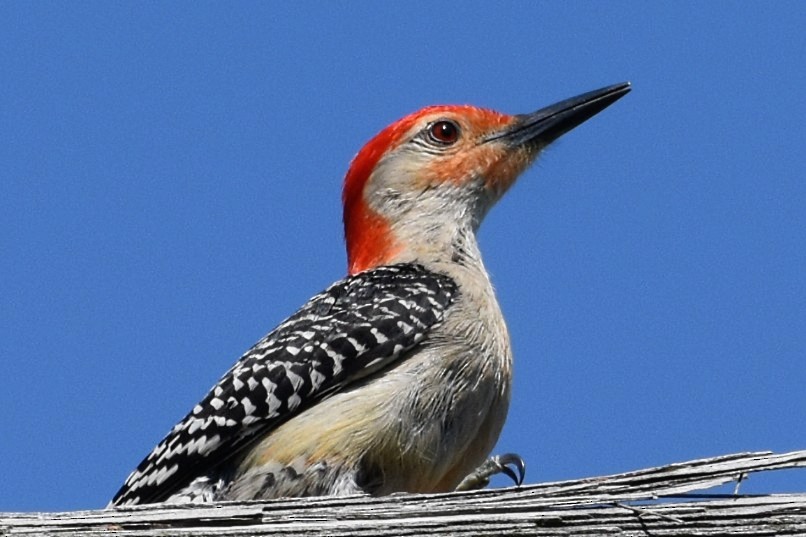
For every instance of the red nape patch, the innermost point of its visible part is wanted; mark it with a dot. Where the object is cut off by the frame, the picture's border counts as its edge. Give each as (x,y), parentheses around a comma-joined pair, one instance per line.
(368,234)
(369,240)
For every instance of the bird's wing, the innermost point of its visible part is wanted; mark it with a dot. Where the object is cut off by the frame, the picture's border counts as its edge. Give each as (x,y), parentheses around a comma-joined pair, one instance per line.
(356,327)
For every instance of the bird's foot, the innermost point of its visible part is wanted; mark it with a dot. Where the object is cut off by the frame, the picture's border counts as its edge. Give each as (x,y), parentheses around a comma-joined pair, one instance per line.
(498,464)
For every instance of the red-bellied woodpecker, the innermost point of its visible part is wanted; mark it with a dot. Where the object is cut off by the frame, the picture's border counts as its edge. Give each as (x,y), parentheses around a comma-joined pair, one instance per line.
(396,378)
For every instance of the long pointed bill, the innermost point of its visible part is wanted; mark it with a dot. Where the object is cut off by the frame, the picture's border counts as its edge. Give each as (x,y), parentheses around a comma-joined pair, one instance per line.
(547,124)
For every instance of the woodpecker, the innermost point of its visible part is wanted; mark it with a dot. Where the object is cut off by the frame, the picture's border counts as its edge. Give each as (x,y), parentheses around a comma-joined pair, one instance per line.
(396,378)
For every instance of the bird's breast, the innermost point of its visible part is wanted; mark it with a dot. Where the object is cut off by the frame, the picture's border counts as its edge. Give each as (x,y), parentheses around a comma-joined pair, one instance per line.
(420,425)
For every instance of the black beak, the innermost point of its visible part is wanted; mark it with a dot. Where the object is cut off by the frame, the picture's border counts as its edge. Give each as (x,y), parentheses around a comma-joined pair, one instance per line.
(547,124)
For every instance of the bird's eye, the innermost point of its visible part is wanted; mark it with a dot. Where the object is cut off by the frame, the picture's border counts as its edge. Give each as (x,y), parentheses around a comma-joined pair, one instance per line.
(444,132)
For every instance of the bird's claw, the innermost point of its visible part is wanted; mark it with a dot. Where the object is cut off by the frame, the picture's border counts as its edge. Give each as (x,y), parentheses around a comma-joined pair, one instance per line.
(497,464)
(503,462)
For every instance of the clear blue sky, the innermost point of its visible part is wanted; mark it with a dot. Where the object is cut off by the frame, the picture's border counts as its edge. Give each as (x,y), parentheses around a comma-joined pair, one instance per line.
(170,177)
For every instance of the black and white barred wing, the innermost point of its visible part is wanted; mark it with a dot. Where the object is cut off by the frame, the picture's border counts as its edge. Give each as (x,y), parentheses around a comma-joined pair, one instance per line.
(356,327)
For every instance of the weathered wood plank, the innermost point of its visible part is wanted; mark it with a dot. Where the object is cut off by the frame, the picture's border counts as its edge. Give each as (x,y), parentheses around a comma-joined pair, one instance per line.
(645,502)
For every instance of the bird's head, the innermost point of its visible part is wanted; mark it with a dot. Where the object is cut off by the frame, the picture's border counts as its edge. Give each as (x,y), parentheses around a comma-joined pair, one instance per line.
(431,176)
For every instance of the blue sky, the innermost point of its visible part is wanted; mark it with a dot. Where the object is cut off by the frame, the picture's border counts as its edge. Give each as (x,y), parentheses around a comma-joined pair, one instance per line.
(170,179)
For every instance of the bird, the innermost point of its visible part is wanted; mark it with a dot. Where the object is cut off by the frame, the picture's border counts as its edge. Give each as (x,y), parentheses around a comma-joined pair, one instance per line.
(398,377)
